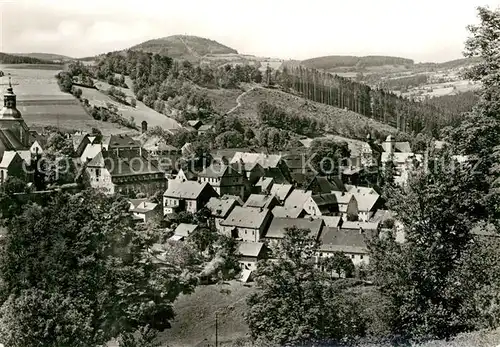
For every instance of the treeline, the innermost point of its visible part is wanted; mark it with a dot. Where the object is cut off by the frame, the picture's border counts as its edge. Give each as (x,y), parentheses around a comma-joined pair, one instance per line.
(275,116)
(333,61)
(164,84)
(17,59)
(386,107)
(404,83)
(454,104)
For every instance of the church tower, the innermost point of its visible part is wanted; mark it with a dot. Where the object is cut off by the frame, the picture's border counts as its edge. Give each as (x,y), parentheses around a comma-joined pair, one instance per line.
(12,124)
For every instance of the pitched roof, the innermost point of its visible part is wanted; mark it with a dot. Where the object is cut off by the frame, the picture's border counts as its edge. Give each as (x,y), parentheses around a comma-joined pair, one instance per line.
(205,127)
(7,158)
(185,229)
(136,202)
(332,221)
(124,166)
(246,217)
(260,200)
(185,190)
(10,141)
(349,241)
(41,139)
(277,174)
(90,152)
(265,160)
(219,169)
(322,185)
(145,207)
(287,212)
(297,198)
(325,199)
(298,177)
(343,198)
(221,207)
(77,139)
(278,225)
(403,147)
(120,141)
(360,225)
(366,202)
(281,191)
(233,197)
(265,183)
(250,249)
(360,189)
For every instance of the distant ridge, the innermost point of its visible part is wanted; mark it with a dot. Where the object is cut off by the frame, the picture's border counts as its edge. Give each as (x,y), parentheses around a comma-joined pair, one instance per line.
(43,56)
(337,61)
(6,58)
(184,47)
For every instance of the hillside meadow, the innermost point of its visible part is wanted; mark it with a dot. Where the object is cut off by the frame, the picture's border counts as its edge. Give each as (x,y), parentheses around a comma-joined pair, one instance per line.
(42,103)
(140,112)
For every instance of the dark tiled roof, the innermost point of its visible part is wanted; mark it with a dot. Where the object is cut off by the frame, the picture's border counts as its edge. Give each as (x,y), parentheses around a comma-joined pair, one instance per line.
(279,225)
(325,199)
(341,240)
(322,185)
(121,141)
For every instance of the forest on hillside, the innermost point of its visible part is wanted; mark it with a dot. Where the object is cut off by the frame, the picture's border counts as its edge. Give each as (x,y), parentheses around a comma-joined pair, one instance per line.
(17,59)
(382,105)
(163,84)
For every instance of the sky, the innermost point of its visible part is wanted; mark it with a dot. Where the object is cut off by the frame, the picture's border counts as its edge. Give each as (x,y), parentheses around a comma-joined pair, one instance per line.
(422,30)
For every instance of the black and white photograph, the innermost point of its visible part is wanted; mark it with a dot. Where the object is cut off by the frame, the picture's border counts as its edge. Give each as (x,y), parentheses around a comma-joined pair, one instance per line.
(216,173)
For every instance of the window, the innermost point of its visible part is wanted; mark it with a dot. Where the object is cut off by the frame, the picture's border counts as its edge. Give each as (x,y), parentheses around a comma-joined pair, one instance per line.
(360,257)
(352,256)
(97,172)
(245,232)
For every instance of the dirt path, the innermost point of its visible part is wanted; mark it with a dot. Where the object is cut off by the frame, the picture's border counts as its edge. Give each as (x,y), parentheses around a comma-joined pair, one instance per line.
(238,100)
(192,51)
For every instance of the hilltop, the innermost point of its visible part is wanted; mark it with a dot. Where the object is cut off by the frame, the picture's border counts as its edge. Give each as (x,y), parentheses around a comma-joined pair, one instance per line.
(184,47)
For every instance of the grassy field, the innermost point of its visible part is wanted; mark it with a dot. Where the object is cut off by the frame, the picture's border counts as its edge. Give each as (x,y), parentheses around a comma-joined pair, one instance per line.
(340,122)
(194,324)
(140,113)
(42,103)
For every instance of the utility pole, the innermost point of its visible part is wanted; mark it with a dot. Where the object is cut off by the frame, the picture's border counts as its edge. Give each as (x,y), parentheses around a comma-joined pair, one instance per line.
(216,331)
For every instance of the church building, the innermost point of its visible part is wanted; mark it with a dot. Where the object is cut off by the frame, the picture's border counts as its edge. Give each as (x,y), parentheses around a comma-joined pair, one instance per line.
(15,155)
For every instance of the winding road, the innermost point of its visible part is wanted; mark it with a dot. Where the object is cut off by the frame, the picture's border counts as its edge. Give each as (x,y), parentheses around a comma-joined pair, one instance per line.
(238,100)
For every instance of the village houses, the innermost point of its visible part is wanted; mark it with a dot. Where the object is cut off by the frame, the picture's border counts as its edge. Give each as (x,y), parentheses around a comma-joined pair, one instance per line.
(189,196)
(247,223)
